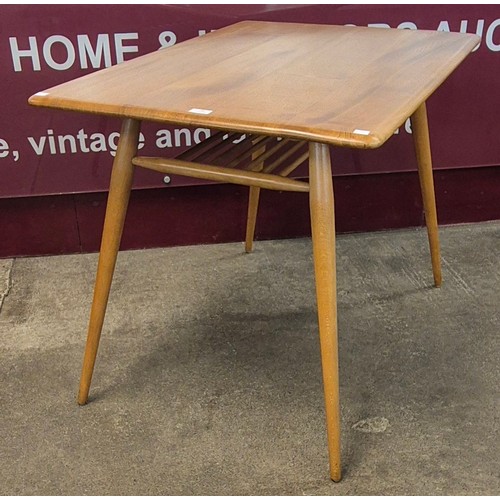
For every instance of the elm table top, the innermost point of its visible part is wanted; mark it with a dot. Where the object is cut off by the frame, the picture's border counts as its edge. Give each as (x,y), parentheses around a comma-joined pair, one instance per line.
(347,86)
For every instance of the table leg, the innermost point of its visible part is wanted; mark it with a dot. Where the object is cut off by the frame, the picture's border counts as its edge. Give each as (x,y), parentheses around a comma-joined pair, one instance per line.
(421,140)
(253,205)
(323,240)
(119,192)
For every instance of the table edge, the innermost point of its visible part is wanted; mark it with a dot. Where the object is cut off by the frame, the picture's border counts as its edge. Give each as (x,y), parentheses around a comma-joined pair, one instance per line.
(361,140)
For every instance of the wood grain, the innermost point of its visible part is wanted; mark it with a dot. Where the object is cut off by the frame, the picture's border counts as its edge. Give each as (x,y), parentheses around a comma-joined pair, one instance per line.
(253,207)
(222,174)
(323,239)
(116,209)
(253,199)
(421,140)
(349,86)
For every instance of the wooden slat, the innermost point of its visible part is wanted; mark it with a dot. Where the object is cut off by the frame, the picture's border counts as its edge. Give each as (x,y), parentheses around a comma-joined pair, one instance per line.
(276,163)
(248,153)
(208,145)
(251,148)
(223,151)
(213,173)
(225,154)
(202,146)
(221,148)
(257,163)
(290,168)
(228,140)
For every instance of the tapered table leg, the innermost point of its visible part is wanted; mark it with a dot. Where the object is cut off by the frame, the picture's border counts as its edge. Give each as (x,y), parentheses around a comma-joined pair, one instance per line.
(119,192)
(323,239)
(423,151)
(253,205)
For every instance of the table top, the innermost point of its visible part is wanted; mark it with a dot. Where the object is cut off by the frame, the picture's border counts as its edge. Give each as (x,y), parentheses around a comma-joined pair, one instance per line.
(342,85)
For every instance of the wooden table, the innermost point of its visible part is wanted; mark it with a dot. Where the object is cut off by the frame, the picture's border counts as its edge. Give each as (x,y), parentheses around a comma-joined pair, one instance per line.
(309,85)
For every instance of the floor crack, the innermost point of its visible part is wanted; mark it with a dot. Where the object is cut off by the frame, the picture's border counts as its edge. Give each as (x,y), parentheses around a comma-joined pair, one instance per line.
(7,284)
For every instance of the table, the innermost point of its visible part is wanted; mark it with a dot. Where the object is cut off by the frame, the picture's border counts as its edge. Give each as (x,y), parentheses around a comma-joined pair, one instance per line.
(292,90)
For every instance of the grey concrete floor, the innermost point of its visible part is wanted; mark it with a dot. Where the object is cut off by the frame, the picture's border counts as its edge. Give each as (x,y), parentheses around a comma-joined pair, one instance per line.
(208,379)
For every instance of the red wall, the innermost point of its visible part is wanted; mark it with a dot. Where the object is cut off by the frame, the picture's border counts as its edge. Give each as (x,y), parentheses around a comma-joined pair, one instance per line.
(51,161)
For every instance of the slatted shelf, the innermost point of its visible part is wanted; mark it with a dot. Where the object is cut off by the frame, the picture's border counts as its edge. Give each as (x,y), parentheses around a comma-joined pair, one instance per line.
(251,160)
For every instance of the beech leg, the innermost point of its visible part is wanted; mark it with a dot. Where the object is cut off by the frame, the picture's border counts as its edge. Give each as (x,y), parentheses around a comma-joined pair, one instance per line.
(421,140)
(323,240)
(119,193)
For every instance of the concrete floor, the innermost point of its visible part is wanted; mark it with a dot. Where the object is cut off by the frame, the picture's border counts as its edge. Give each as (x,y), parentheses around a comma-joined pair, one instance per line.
(208,378)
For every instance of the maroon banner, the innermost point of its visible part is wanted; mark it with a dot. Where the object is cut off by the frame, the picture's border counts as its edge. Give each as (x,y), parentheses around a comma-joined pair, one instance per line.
(51,152)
